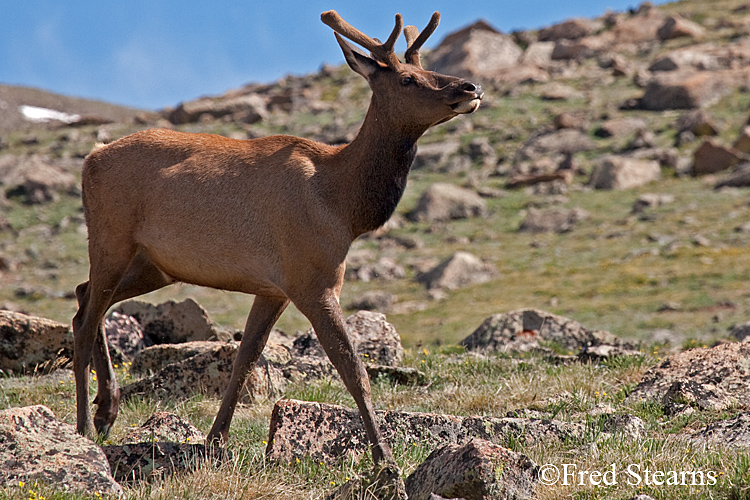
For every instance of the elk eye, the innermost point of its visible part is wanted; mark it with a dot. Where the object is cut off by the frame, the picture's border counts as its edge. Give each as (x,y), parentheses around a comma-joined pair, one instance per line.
(407,80)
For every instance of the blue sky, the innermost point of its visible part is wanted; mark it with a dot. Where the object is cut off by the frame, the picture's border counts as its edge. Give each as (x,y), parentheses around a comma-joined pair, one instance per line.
(156,53)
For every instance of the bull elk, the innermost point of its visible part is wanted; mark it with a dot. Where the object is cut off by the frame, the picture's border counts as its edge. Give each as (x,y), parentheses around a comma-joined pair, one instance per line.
(273,217)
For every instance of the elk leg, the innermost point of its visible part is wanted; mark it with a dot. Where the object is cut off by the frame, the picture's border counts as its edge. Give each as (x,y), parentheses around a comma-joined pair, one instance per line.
(327,320)
(264,313)
(94,298)
(140,277)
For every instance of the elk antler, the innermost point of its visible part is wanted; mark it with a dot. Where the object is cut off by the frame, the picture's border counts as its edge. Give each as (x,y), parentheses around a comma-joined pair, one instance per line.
(383,52)
(415,39)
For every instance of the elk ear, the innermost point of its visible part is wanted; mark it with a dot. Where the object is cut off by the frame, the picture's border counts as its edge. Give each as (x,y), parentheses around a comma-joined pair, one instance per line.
(358,60)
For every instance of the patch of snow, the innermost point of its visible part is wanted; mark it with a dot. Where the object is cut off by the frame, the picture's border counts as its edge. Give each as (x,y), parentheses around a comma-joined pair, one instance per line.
(37,114)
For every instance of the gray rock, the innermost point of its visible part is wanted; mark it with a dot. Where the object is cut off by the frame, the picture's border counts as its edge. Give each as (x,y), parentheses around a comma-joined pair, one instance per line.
(475,471)
(28,343)
(34,445)
(620,172)
(651,200)
(170,322)
(478,50)
(372,300)
(457,271)
(715,379)
(741,331)
(374,339)
(208,373)
(328,433)
(552,220)
(733,432)
(124,336)
(164,426)
(442,202)
(35,179)
(156,460)
(523,329)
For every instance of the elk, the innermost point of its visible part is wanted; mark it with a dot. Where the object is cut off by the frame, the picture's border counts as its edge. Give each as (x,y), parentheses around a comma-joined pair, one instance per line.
(273,217)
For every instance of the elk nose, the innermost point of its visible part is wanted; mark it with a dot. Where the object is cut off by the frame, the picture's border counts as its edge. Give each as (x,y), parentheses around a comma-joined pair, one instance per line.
(471,87)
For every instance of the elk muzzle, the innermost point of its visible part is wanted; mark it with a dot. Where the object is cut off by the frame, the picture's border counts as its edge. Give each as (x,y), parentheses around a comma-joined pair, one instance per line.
(471,101)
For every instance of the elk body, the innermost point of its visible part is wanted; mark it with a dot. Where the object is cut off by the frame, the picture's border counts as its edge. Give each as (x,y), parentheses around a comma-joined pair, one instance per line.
(273,217)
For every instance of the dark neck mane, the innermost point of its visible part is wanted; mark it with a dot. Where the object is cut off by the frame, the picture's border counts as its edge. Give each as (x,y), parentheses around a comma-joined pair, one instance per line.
(379,180)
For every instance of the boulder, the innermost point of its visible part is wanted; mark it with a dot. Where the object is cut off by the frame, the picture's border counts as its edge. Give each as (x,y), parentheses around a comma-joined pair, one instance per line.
(620,127)
(155,358)
(699,123)
(170,322)
(250,108)
(642,26)
(740,332)
(651,200)
(164,426)
(688,89)
(436,155)
(442,202)
(571,29)
(35,179)
(35,446)
(706,378)
(159,459)
(208,373)
(622,172)
(372,300)
(711,157)
(687,58)
(677,26)
(374,339)
(476,51)
(523,329)
(742,144)
(459,270)
(476,470)
(733,432)
(385,269)
(552,220)
(328,433)
(124,336)
(739,177)
(28,342)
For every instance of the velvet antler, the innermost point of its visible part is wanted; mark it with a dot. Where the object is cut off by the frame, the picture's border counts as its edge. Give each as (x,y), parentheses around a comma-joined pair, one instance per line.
(415,39)
(383,52)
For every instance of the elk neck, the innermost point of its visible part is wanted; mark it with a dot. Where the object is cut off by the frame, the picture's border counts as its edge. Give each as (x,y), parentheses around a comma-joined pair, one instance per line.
(375,167)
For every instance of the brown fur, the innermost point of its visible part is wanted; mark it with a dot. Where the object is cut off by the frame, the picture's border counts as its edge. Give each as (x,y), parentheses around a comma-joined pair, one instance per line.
(273,217)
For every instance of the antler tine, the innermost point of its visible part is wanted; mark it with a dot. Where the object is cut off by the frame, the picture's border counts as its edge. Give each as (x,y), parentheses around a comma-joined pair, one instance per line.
(382,51)
(415,40)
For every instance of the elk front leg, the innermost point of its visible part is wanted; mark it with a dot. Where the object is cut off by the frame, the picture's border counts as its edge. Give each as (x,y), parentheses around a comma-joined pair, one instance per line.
(328,322)
(264,313)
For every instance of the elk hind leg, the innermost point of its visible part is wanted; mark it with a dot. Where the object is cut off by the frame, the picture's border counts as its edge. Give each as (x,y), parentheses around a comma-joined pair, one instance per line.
(140,277)
(264,313)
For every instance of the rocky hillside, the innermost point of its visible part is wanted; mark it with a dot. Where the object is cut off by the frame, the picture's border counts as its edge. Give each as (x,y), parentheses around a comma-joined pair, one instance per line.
(602,177)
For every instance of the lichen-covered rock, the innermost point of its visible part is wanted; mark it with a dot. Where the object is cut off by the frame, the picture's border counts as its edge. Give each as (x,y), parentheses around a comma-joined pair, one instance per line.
(732,432)
(208,373)
(374,338)
(164,426)
(459,270)
(477,470)
(521,331)
(124,336)
(27,342)
(708,379)
(155,358)
(155,460)
(328,433)
(34,445)
(170,322)
(380,484)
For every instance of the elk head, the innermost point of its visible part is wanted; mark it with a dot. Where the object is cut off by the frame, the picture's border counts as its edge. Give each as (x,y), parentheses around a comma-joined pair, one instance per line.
(412,97)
